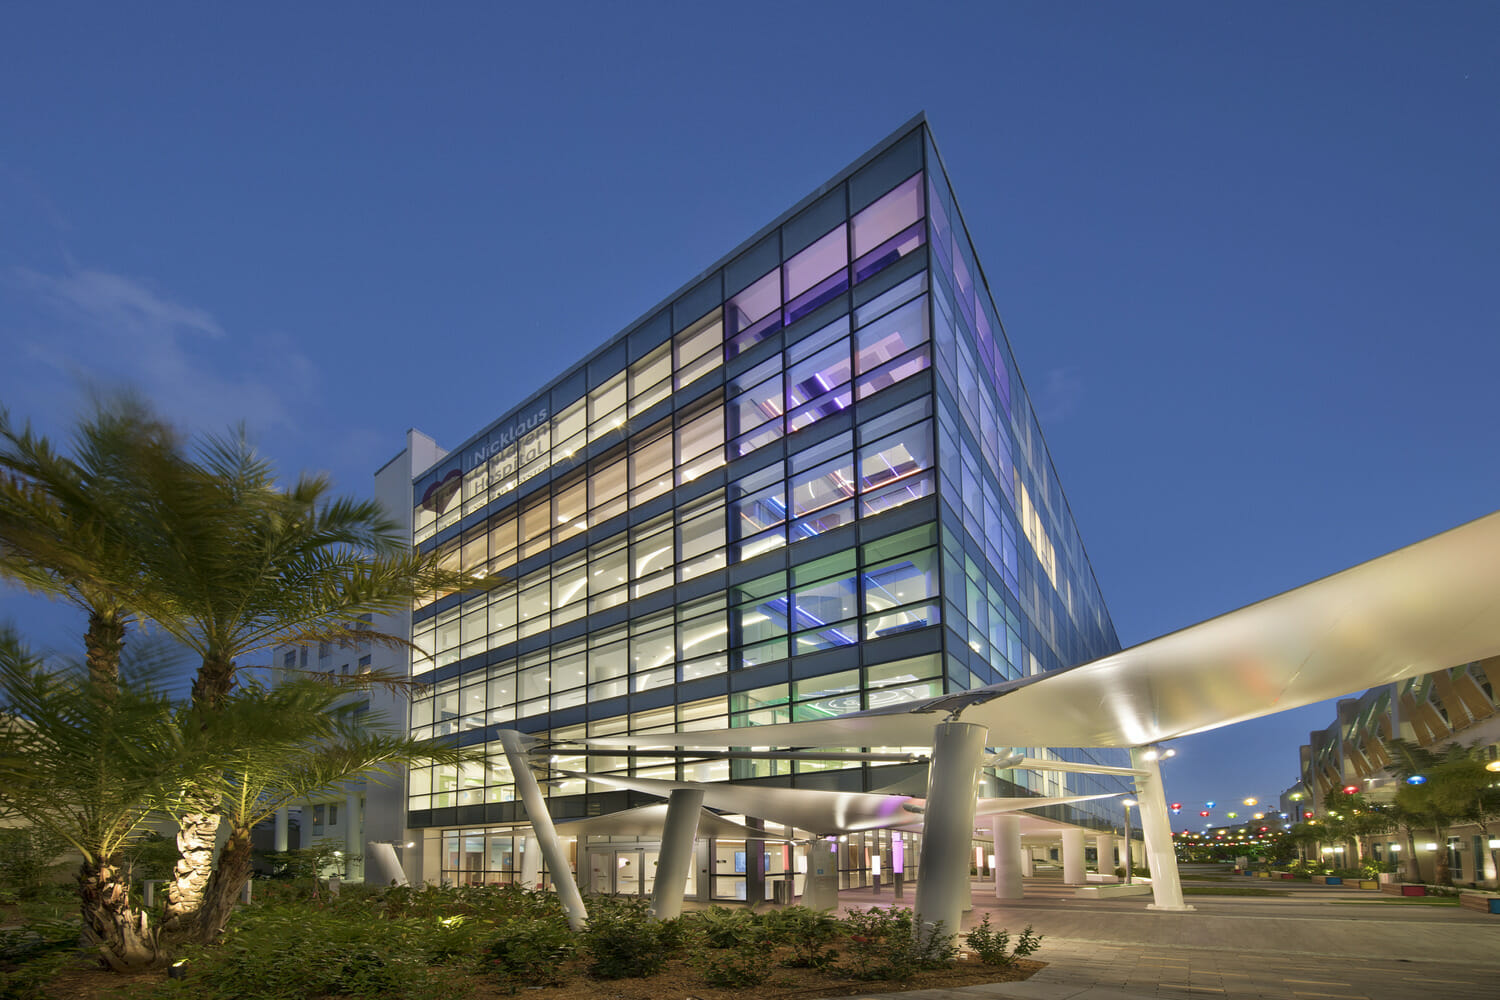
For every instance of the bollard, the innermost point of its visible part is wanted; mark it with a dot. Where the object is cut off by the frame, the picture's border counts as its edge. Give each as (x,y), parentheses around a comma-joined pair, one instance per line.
(900,885)
(875,883)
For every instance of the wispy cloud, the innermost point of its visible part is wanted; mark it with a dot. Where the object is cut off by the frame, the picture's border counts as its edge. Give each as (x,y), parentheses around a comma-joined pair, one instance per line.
(97,329)
(1059,396)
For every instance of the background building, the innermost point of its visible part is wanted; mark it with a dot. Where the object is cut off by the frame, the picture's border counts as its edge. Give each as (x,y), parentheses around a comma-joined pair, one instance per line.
(1450,706)
(810,482)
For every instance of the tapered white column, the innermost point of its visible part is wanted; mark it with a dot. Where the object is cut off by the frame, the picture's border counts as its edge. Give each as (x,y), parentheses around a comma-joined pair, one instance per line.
(1104,846)
(354,838)
(283,827)
(684,806)
(1074,872)
(531,863)
(1028,862)
(943,885)
(1156,831)
(546,833)
(1006,831)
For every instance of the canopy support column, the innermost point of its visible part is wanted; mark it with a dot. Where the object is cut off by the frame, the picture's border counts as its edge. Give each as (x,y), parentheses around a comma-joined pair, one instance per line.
(1156,831)
(678,834)
(947,844)
(546,833)
(1006,830)
(1074,870)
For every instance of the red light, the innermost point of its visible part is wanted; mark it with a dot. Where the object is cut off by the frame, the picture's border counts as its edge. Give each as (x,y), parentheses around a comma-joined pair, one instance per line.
(1350,789)
(1203,812)
(1176,805)
(1264,829)
(1307,815)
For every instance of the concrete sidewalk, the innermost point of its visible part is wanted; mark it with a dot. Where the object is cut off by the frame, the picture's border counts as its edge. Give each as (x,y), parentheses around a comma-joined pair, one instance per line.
(1316,943)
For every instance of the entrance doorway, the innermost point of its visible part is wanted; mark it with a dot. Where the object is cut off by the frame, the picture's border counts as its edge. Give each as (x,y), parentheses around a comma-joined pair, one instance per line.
(626,871)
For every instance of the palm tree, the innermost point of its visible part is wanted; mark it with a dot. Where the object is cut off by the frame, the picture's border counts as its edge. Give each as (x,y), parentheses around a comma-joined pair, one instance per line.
(91,761)
(1463,788)
(1420,803)
(70,528)
(312,747)
(245,566)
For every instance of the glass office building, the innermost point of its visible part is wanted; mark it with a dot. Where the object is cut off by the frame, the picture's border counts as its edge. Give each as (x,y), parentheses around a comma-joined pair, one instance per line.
(810,482)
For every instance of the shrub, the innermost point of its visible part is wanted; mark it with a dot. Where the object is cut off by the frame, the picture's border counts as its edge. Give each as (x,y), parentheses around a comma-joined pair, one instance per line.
(722,927)
(294,951)
(737,967)
(30,860)
(31,956)
(809,933)
(991,946)
(530,952)
(885,944)
(623,940)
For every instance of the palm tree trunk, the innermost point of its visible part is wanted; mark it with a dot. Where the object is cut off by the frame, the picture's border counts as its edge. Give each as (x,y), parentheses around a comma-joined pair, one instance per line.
(102,643)
(197,829)
(196,833)
(229,878)
(1442,875)
(122,933)
(1414,866)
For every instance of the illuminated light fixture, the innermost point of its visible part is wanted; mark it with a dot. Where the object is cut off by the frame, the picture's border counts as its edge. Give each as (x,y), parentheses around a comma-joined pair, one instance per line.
(1350,789)
(1417,779)
(1429,846)
(1494,844)
(1176,805)
(1307,815)
(1295,796)
(1232,815)
(1203,812)
(1395,848)
(1493,765)
(1251,801)
(1151,754)
(1210,804)
(1260,815)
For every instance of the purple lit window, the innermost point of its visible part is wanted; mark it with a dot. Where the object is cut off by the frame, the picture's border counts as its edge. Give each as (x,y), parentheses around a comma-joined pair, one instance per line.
(888,374)
(888,215)
(902,454)
(819,487)
(891,335)
(817,274)
(824,371)
(753,315)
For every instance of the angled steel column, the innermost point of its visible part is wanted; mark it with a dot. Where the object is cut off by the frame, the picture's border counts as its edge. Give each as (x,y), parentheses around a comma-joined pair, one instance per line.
(546,833)
(531,862)
(1006,829)
(947,843)
(1156,831)
(684,806)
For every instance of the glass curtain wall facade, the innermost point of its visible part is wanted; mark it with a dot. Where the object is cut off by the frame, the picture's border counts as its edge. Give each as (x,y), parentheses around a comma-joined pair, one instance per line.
(810,483)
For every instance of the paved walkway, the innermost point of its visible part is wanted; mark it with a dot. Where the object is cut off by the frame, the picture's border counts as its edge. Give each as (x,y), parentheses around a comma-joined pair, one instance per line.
(1316,943)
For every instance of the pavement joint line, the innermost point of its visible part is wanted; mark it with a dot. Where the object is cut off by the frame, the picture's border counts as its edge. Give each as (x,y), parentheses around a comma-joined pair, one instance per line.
(1342,996)
(1316,982)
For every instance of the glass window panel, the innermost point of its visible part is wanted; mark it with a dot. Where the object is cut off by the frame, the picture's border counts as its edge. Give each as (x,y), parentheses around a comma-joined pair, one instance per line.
(891,335)
(650,379)
(609,660)
(568,668)
(825,405)
(501,691)
(706,666)
(536,527)
(815,342)
(651,465)
(703,635)
(756,406)
(891,298)
(533,682)
(826,686)
(813,378)
(900,492)
(753,623)
(904,619)
(829,601)
(608,479)
(502,541)
(888,215)
(758,301)
(808,267)
(609,689)
(651,547)
(901,581)
(571,421)
(570,507)
(824,520)
(821,452)
(607,399)
(475,551)
(758,510)
(652,650)
(891,372)
(902,454)
(823,485)
(609,565)
(569,582)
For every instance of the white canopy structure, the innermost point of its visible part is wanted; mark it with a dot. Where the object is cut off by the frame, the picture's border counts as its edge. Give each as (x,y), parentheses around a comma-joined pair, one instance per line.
(1428,606)
(816,811)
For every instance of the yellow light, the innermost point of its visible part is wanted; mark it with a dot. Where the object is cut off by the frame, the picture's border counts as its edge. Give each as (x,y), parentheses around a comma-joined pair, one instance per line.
(1493,765)
(1250,801)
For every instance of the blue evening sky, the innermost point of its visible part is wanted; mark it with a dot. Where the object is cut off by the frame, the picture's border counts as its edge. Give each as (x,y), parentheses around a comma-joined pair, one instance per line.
(1246,252)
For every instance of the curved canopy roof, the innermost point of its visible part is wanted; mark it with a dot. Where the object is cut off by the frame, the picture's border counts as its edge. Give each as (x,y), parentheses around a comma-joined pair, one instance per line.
(815,810)
(1425,607)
